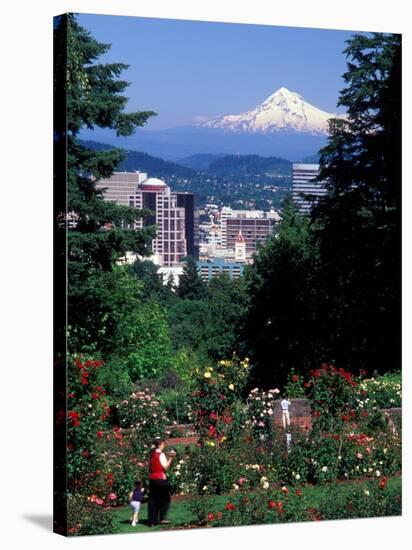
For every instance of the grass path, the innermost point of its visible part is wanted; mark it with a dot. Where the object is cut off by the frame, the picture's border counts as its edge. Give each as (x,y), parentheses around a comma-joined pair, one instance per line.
(180,515)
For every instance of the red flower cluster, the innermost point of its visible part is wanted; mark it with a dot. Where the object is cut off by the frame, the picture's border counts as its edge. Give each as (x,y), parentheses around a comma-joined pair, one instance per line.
(276,505)
(84,368)
(360,439)
(332,370)
(230,506)
(75,418)
(211,516)
(313,514)
(383,483)
(110,479)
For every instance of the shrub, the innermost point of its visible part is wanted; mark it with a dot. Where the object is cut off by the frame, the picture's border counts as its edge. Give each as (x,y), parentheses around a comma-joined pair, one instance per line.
(260,410)
(87,516)
(145,414)
(87,415)
(294,387)
(215,391)
(383,392)
(333,397)
(280,506)
(373,499)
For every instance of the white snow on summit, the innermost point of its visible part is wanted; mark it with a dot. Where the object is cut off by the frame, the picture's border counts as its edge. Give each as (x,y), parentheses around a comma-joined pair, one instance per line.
(283,110)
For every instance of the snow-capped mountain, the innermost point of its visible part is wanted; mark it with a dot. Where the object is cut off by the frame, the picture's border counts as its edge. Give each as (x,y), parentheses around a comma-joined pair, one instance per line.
(282,111)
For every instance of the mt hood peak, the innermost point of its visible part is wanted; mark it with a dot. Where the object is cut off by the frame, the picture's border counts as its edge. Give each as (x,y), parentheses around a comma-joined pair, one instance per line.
(282,111)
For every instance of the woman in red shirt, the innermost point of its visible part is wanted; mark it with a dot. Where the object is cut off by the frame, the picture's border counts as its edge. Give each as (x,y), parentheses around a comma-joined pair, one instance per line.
(159,489)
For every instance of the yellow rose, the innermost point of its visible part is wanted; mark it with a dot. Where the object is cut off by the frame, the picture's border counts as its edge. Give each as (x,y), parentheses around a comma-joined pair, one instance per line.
(231,387)
(207,374)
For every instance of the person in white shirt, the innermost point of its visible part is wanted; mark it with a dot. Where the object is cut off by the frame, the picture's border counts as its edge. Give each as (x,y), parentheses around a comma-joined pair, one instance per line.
(285,404)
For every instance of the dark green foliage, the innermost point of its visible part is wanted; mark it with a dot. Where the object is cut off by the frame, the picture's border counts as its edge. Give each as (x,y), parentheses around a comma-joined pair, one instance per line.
(96,238)
(279,327)
(358,225)
(191,286)
(249,165)
(210,324)
(152,287)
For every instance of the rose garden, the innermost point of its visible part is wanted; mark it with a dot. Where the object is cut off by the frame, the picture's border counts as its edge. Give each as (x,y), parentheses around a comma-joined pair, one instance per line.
(236,467)
(204,364)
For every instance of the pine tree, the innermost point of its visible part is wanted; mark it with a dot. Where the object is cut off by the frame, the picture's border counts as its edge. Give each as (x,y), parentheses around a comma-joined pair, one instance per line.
(191,285)
(89,94)
(359,222)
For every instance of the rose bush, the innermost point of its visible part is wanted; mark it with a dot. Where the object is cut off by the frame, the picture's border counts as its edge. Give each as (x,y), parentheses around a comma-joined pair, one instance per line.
(144,416)
(260,411)
(215,390)
(383,392)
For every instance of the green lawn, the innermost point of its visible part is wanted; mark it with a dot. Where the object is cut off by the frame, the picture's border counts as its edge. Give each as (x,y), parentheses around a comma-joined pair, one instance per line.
(181,516)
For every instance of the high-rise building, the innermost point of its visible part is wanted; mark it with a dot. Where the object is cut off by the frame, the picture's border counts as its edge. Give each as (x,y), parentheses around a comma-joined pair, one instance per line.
(255,225)
(187,201)
(165,210)
(305,190)
(255,232)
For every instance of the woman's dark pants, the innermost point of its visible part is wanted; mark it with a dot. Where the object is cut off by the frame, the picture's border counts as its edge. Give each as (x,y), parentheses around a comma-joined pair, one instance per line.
(159,500)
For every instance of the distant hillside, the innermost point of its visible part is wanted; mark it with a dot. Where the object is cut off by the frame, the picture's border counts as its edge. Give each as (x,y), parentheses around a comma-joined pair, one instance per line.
(250,166)
(135,160)
(201,162)
(312,159)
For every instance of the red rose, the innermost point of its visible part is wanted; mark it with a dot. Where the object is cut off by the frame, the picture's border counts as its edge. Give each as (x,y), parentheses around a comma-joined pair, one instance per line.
(210,517)
(295,378)
(219,515)
(271,504)
(317,414)
(285,490)
(230,506)
(99,434)
(298,492)
(383,482)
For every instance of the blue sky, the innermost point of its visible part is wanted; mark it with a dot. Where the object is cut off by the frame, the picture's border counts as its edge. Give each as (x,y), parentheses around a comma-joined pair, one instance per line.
(188,69)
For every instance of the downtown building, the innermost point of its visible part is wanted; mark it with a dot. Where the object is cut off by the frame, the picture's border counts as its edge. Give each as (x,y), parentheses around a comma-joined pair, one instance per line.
(173,213)
(255,226)
(306,191)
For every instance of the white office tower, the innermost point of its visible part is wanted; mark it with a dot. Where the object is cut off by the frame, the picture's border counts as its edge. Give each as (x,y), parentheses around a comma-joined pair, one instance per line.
(305,191)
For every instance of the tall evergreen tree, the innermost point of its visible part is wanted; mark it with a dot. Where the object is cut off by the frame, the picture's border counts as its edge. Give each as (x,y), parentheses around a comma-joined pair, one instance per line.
(93,96)
(278,332)
(191,285)
(359,222)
